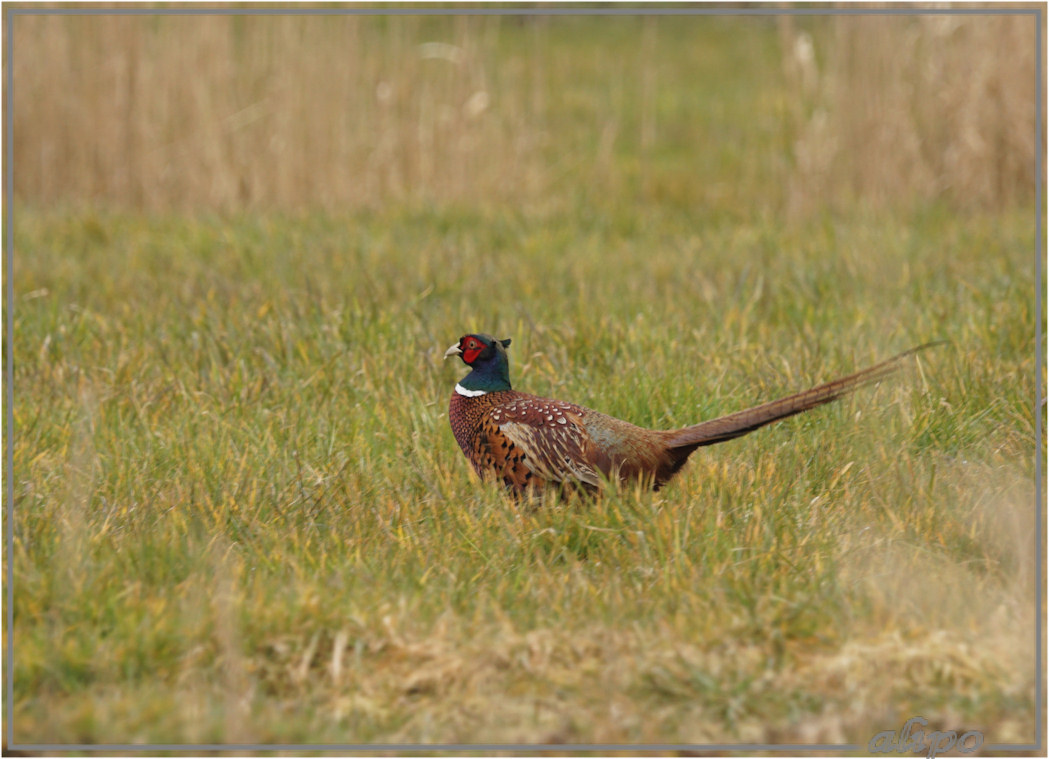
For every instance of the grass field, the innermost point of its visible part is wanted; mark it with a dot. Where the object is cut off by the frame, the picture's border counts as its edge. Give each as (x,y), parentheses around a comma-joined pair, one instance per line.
(240,515)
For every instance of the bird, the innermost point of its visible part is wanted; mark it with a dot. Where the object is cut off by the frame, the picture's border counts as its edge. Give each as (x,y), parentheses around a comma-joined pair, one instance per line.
(532,443)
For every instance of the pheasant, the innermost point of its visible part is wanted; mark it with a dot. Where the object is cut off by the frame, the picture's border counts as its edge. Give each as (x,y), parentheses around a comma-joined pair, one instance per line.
(531,443)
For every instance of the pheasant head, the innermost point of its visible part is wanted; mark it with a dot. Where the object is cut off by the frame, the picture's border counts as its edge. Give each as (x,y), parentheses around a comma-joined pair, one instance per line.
(487,359)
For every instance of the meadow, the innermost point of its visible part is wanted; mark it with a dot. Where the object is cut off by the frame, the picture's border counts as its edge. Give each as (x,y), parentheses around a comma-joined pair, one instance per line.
(240,515)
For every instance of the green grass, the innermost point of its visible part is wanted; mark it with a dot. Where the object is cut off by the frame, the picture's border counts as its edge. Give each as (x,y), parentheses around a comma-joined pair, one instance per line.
(240,514)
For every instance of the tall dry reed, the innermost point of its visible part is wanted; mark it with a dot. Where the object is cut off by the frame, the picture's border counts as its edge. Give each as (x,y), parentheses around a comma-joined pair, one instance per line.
(288,111)
(345,112)
(913,107)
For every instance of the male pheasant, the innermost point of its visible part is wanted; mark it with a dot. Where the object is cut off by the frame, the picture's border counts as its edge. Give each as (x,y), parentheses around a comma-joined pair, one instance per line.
(531,443)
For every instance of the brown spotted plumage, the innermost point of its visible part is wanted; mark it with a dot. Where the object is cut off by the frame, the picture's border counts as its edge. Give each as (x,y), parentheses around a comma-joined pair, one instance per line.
(528,442)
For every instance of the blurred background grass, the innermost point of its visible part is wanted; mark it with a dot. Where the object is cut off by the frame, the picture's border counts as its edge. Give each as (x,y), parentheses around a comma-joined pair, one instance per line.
(345,112)
(243,243)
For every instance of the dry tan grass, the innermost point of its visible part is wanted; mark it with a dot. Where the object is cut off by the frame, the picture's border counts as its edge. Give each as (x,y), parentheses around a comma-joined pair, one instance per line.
(349,112)
(912,107)
(218,111)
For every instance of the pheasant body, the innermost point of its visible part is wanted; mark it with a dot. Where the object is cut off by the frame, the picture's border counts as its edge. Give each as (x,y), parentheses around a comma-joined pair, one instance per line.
(529,442)
(525,440)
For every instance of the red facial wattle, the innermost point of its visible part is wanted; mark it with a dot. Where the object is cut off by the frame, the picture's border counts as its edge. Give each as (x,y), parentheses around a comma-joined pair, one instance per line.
(470,354)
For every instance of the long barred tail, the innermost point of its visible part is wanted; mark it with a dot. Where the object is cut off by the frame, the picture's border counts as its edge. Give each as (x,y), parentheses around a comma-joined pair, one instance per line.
(740,423)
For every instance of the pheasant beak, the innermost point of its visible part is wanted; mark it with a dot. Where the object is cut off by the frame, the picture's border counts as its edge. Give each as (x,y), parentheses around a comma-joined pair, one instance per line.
(455,350)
